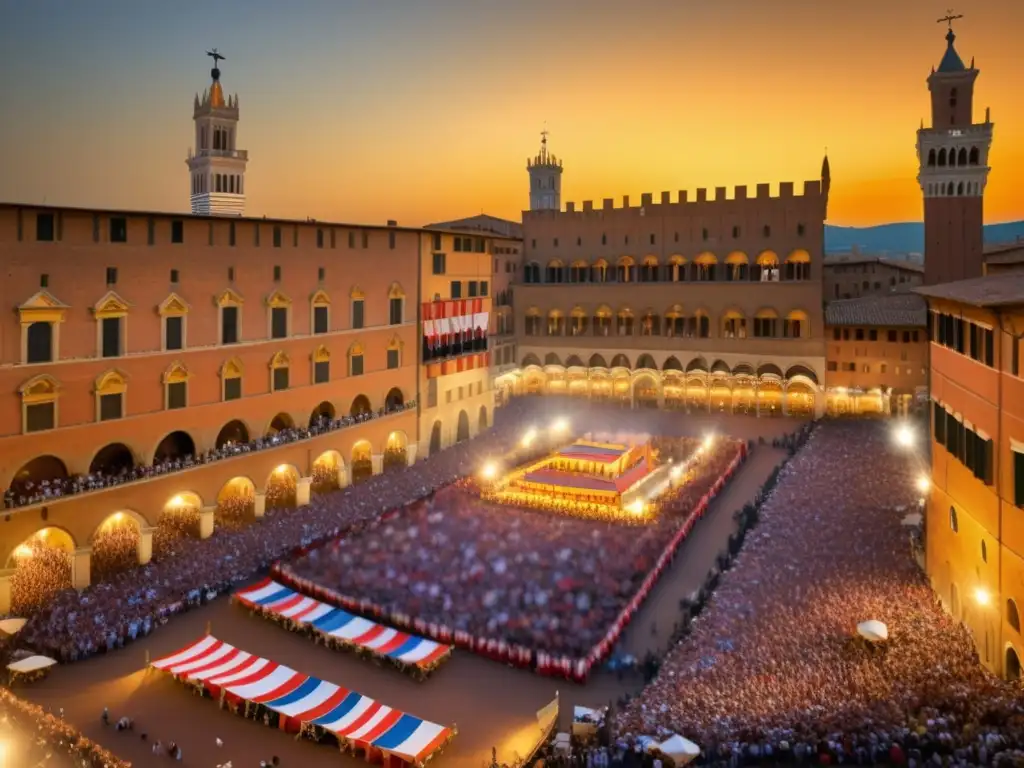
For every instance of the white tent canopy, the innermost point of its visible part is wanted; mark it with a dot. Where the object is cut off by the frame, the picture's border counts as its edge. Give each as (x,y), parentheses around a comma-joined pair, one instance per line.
(679,750)
(12,626)
(31,664)
(873,630)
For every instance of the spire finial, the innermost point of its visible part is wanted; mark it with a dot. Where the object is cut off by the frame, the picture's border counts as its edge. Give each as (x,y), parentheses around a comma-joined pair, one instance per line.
(215,72)
(949,18)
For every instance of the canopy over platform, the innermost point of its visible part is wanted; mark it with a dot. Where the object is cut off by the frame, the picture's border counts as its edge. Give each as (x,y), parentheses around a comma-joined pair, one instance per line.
(586,451)
(299,700)
(12,626)
(873,630)
(31,664)
(677,749)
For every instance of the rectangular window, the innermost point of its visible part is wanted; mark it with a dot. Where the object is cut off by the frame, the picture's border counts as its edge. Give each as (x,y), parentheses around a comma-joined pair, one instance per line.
(836,335)
(436,238)
(277,274)
(333,238)
(832,365)
(175,332)
(256,234)
(351,239)
(473,288)
(177,395)
(952,434)
(322,372)
(231,233)
(357,365)
(395,311)
(456,289)
(366,239)
(229,325)
(1018,478)
(458,244)
(295,236)
(319,238)
(118,229)
(439,264)
(111,407)
(357,313)
(873,335)
(277,236)
(321,273)
(174,277)
(40,417)
(320,320)
(891,337)
(858,335)
(1014,355)
(95,228)
(111,275)
(39,343)
(44,280)
(939,423)
(279,323)
(483,287)
(391,240)
(392,358)
(111,332)
(44,229)
(280,379)
(233,388)
(178,232)
(990,348)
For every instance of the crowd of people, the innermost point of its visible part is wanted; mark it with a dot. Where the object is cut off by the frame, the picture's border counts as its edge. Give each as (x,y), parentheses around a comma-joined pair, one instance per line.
(24,492)
(772,669)
(547,580)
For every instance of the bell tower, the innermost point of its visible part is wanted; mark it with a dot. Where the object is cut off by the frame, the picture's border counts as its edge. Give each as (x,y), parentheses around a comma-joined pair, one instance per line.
(545,178)
(953,170)
(216,166)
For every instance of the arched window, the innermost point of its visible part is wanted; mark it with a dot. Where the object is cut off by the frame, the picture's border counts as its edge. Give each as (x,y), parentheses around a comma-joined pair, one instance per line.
(796,325)
(599,271)
(1012,615)
(624,322)
(39,396)
(734,325)
(625,270)
(703,267)
(556,323)
(766,267)
(942,157)
(650,324)
(649,270)
(321,359)
(675,322)
(766,324)
(531,272)
(396,304)
(953,523)
(111,388)
(675,270)
(231,380)
(320,312)
(931,157)
(176,386)
(577,321)
(173,313)
(960,188)
(736,266)
(555,271)
(355,359)
(579,272)
(961,156)
(280,368)
(973,158)
(603,321)
(279,310)
(531,322)
(798,266)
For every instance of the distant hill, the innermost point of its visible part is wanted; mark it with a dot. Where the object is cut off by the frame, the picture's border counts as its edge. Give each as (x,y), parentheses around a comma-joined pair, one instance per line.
(900,239)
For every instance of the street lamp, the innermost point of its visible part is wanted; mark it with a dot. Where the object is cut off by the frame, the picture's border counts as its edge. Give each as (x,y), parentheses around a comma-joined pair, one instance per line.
(923,484)
(904,436)
(560,427)
(490,471)
(982,596)
(529,437)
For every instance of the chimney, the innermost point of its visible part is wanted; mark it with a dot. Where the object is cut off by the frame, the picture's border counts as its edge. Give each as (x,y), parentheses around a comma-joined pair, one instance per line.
(392,223)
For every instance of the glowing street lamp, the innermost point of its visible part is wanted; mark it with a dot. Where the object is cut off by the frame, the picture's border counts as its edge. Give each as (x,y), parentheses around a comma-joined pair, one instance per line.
(637,507)
(490,471)
(529,437)
(676,473)
(904,436)
(923,484)
(982,596)
(560,427)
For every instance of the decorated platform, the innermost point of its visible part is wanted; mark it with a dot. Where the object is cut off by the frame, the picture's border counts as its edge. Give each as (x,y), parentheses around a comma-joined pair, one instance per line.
(340,629)
(298,703)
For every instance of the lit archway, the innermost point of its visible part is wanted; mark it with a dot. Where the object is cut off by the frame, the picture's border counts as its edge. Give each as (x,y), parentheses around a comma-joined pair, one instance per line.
(360,407)
(30,479)
(646,391)
(482,419)
(322,415)
(236,503)
(115,545)
(42,567)
(328,472)
(179,520)
(396,451)
(282,487)
(462,432)
(394,400)
(234,433)
(435,438)
(646,361)
(176,446)
(112,460)
(362,461)
(1011,669)
(800,399)
(279,423)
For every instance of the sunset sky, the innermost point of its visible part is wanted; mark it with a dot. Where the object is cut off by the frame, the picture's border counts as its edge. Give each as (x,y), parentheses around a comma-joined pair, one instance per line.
(425,110)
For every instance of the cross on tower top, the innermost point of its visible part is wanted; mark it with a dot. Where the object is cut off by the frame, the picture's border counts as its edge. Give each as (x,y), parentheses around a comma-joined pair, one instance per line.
(949,18)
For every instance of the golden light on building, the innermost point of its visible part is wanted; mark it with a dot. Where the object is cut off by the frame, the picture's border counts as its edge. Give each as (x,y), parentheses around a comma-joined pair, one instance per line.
(489,471)
(281,470)
(637,507)
(177,501)
(529,437)
(981,596)
(560,427)
(23,551)
(923,484)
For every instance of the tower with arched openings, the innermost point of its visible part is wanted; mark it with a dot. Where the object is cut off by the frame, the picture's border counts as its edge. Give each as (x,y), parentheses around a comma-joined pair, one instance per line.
(216,165)
(545,172)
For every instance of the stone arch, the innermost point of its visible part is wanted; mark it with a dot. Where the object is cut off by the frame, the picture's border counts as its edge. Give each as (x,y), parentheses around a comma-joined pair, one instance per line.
(360,406)
(942,157)
(396,451)
(482,422)
(394,399)
(1012,614)
(973,157)
(597,361)
(235,432)
(802,371)
(573,361)
(115,544)
(279,423)
(322,413)
(646,390)
(743,369)
(40,469)
(769,369)
(552,359)
(328,472)
(720,367)
(462,432)
(646,361)
(175,446)
(1011,666)
(620,361)
(435,438)
(697,364)
(42,566)
(179,519)
(112,459)
(236,503)
(282,487)
(530,359)
(672,364)
(362,461)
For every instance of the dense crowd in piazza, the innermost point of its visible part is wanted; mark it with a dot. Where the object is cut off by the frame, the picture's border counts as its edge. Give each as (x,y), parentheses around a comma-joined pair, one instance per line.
(493,571)
(26,492)
(771,669)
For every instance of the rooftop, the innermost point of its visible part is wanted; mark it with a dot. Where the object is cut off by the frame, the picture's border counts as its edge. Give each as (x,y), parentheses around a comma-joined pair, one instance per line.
(1007,253)
(1002,290)
(903,309)
(833,261)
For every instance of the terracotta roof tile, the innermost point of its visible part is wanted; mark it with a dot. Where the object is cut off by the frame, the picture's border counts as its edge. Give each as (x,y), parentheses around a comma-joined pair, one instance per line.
(1001,290)
(903,310)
